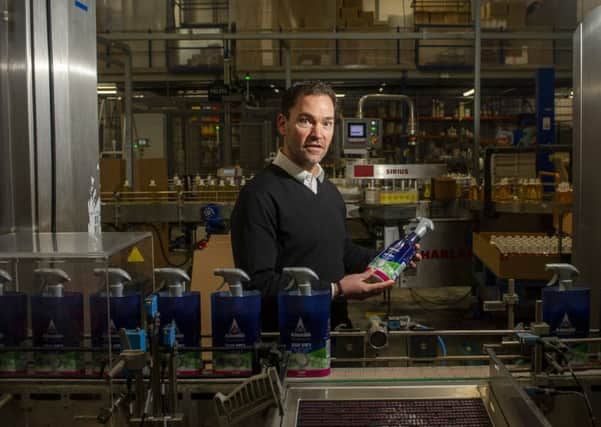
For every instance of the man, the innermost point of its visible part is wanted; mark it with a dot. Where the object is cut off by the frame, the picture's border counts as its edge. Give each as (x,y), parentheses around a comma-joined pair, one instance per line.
(291,215)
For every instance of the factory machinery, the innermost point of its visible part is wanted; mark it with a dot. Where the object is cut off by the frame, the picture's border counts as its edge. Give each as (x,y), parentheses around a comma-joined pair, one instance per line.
(91,333)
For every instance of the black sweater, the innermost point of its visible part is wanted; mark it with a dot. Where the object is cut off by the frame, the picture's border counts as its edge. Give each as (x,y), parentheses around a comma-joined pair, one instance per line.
(278,222)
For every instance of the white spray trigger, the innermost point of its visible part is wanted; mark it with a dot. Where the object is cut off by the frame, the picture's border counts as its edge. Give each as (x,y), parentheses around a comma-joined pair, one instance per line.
(303,277)
(563,272)
(233,277)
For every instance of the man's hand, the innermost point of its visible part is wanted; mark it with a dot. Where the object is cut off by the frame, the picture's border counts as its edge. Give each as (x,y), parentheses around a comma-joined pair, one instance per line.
(417,258)
(354,286)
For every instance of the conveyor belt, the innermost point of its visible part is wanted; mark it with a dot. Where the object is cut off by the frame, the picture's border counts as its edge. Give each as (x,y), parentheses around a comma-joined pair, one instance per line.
(399,412)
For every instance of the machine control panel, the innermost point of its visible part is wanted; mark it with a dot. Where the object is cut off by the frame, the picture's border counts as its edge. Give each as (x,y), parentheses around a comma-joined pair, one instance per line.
(361,135)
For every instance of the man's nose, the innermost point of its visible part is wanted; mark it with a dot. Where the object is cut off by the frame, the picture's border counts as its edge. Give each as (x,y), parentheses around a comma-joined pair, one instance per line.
(317,130)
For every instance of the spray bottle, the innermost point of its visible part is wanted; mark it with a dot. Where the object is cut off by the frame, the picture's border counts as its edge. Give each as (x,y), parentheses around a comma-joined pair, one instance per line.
(183,309)
(13,324)
(236,322)
(125,312)
(390,263)
(566,308)
(57,321)
(304,323)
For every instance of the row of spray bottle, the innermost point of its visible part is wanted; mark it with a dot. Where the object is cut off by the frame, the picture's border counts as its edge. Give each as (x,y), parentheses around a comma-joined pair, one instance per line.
(304,324)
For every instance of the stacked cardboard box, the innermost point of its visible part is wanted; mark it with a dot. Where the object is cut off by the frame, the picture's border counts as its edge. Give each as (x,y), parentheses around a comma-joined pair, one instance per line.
(112,175)
(150,169)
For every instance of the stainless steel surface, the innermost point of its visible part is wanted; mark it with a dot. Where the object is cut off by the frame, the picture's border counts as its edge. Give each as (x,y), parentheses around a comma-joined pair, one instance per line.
(73,38)
(587,157)
(17,206)
(66,245)
(50,137)
(42,120)
(517,408)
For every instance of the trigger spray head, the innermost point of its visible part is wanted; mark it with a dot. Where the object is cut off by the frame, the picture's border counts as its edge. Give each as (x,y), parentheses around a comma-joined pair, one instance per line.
(302,276)
(5,278)
(564,274)
(233,277)
(423,226)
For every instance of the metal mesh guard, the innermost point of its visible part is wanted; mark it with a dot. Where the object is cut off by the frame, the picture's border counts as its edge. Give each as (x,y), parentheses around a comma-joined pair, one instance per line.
(380,413)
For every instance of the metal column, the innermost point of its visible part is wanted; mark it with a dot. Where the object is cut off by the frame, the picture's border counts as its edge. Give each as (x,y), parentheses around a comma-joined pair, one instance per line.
(48,115)
(477,88)
(587,157)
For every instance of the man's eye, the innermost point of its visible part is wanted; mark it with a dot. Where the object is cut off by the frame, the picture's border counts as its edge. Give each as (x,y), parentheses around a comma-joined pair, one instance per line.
(328,124)
(304,120)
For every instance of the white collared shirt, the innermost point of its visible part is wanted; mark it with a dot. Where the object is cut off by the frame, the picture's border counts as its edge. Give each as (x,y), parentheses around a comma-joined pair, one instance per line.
(304,177)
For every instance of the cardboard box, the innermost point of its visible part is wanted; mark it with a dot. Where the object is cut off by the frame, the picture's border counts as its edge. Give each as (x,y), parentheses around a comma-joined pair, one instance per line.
(347,13)
(217,254)
(516,15)
(358,4)
(498,9)
(368,17)
(520,266)
(147,169)
(112,174)
(356,24)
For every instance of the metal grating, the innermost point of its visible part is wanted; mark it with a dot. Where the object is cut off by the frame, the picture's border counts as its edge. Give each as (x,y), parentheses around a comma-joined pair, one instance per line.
(406,412)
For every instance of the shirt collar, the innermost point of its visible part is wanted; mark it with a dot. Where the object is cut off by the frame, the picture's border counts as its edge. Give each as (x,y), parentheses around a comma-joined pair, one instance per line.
(294,170)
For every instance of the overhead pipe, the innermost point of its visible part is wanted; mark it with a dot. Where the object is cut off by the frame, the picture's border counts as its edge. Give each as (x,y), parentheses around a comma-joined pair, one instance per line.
(411,127)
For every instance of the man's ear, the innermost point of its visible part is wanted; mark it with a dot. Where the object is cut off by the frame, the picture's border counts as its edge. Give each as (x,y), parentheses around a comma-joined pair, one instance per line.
(281,121)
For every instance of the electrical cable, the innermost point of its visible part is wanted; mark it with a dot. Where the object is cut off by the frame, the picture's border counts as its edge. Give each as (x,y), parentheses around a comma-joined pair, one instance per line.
(415,295)
(586,398)
(172,264)
(562,354)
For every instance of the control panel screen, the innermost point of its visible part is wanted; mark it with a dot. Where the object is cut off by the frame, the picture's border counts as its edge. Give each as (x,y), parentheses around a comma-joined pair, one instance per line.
(356,130)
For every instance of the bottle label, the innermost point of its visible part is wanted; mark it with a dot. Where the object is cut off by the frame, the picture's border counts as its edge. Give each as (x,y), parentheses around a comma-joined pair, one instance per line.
(233,362)
(306,358)
(388,269)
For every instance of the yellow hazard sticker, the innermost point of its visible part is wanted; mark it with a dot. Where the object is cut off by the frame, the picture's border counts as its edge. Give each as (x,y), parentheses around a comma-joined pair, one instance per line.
(135,255)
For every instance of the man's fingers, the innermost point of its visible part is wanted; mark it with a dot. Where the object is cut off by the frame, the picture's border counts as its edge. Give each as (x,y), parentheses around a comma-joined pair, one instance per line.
(366,274)
(380,286)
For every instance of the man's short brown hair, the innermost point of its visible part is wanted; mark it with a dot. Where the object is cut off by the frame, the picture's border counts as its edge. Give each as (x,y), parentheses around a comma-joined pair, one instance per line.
(305,88)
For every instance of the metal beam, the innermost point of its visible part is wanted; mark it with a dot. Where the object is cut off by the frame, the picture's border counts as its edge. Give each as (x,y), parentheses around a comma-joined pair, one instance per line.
(424,35)
(350,73)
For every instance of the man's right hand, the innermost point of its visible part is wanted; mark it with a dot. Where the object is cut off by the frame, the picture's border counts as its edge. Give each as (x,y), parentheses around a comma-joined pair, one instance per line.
(354,286)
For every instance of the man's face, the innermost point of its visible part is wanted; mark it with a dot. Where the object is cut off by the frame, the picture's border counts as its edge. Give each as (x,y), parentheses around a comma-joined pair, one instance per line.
(308,130)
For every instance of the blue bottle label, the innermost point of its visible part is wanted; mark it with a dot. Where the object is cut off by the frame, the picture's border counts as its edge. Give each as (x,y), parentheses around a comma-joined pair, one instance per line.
(233,362)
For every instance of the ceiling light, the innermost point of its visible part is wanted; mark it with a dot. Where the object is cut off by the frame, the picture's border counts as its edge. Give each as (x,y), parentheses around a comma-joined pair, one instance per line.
(381,89)
(469,92)
(106,92)
(340,95)
(106,86)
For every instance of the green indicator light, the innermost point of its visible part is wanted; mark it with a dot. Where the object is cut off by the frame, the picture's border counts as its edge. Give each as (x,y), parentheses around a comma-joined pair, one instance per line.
(247,77)
(217,127)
